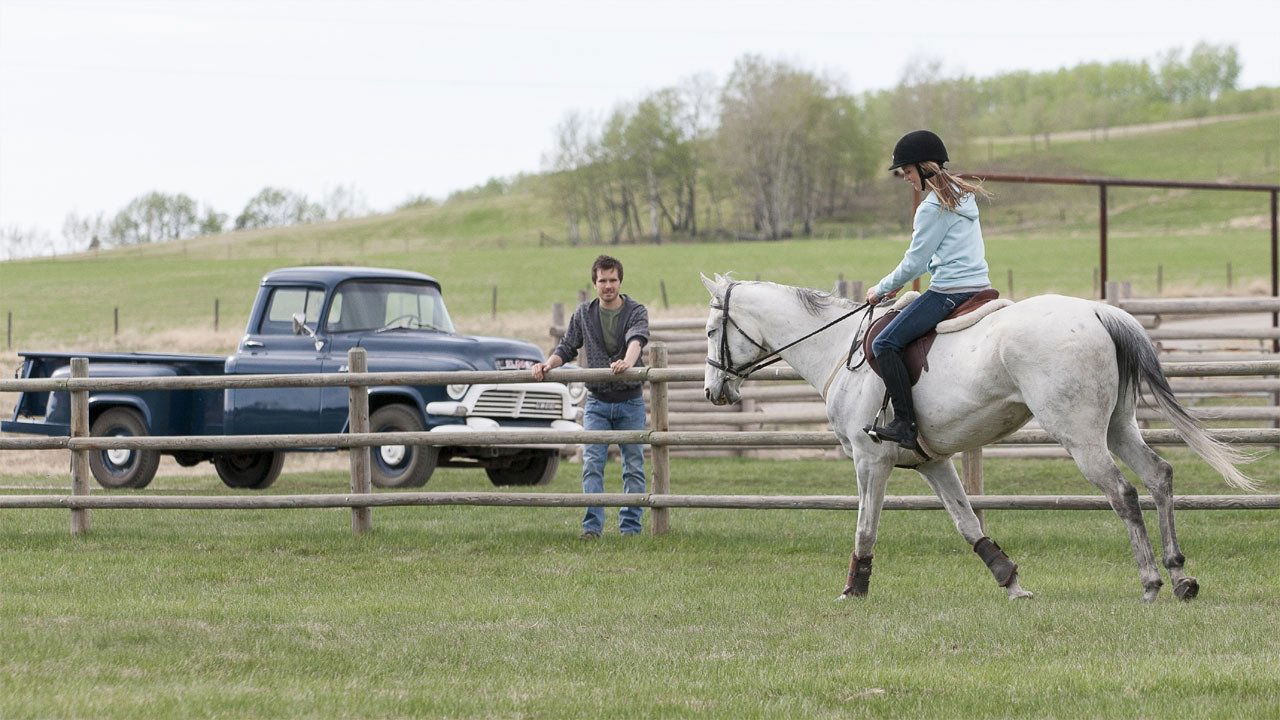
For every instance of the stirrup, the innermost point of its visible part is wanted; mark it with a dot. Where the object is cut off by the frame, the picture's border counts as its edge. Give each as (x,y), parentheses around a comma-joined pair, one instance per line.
(877,435)
(875,428)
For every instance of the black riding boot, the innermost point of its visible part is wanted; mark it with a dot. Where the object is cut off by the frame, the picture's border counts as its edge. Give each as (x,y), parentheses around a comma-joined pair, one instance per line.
(898,382)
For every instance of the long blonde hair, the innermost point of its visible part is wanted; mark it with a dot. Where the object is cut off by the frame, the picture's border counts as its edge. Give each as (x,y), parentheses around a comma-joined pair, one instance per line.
(949,188)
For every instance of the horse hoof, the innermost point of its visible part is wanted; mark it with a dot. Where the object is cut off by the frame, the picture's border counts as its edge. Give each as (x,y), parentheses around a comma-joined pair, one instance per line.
(1186,589)
(850,594)
(1021,594)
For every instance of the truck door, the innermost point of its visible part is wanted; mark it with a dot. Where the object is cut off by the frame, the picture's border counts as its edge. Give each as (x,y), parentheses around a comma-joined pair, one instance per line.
(272,348)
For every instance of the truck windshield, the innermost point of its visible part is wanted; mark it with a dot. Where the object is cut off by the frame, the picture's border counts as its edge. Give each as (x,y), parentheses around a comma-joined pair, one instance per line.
(382,305)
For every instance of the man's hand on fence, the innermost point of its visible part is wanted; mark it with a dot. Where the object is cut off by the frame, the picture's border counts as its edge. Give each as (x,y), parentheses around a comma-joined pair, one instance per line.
(539,371)
(619,366)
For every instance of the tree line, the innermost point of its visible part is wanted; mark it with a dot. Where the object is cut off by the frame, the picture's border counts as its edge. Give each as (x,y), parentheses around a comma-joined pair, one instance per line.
(163,217)
(775,147)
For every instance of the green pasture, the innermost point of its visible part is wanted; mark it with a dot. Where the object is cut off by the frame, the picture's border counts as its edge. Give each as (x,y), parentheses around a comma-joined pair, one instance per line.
(1045,235)
(489,612)
(68,301)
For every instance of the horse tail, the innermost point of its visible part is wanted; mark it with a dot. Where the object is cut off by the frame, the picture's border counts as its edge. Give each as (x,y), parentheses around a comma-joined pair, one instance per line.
(1137,361)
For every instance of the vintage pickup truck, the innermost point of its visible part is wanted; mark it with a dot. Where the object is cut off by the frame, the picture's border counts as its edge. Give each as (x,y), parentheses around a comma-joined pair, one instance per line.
(304,320)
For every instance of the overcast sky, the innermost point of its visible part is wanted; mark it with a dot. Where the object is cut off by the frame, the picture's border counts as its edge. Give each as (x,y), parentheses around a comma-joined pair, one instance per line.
(103,101)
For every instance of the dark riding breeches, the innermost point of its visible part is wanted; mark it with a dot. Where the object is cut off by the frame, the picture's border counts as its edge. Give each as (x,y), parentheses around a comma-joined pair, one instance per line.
(918,318)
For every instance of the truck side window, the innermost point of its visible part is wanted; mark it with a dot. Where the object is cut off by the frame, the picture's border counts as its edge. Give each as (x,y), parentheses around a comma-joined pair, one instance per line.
(286,301)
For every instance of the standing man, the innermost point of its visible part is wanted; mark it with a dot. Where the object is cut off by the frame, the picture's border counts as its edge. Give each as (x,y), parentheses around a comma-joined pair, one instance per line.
(614,328)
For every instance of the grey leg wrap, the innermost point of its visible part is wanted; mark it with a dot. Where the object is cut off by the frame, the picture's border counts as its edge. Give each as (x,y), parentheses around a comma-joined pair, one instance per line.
(859,576)
(1000,565)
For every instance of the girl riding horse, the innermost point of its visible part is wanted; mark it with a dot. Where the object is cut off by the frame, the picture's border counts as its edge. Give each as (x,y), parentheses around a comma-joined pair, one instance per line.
(946,242)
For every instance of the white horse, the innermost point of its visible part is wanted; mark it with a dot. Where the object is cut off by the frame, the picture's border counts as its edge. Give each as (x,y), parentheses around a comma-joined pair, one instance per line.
(1073,364)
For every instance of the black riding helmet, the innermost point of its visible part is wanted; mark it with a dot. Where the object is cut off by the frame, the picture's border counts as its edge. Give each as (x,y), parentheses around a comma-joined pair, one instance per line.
(917,147)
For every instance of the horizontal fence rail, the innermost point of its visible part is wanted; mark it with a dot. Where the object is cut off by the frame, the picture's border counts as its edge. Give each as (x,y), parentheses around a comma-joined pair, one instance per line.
(696,438)
(370,379)
(651,500)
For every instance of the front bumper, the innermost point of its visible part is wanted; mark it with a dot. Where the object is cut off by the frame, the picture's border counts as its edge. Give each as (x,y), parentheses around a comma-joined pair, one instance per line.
(484,424)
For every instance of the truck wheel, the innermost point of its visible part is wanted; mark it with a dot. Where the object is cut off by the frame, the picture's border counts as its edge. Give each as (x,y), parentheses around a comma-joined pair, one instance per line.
(536,467)
(122,468)
(249,470)
(400,466)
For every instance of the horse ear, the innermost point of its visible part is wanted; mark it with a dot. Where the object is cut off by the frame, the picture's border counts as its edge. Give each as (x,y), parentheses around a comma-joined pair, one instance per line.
(712,286)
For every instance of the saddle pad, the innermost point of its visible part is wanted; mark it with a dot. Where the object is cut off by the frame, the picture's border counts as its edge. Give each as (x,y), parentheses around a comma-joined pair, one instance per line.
(916,355)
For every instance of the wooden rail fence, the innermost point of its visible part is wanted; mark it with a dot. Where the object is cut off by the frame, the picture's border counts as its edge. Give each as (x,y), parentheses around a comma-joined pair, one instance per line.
(658,436)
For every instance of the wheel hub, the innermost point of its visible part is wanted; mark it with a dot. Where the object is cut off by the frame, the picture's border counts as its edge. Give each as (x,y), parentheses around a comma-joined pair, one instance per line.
(119,457)
(392,454)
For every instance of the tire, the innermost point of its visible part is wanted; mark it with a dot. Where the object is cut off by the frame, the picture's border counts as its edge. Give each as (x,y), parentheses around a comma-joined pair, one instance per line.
(249,470)
(400,466)
(536,467)
(117,469)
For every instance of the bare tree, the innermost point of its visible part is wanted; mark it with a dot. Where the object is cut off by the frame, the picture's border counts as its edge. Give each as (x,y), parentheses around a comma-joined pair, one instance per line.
(344,201)
(87,232)
(20,242)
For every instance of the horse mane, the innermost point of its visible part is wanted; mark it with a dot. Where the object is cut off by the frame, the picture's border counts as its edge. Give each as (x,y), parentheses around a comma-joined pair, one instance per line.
(815,301)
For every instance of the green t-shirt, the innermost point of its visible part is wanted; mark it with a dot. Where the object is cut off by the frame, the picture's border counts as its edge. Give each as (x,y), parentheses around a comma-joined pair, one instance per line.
(609,325)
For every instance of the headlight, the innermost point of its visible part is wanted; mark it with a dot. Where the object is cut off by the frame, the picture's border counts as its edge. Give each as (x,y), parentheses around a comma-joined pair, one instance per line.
(457,392)
(577,391)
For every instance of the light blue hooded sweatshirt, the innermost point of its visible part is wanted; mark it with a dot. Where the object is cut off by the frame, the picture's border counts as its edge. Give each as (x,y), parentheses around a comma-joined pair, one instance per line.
(945,243)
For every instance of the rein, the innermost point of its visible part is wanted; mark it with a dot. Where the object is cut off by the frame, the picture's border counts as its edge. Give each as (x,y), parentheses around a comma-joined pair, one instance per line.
(770,357)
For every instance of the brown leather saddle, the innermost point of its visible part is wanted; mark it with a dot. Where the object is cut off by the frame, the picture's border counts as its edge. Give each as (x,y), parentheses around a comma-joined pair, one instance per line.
(916,354)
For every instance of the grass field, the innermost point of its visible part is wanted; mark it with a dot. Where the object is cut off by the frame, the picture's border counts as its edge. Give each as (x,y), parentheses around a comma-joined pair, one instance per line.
(486,612)
(1046,235)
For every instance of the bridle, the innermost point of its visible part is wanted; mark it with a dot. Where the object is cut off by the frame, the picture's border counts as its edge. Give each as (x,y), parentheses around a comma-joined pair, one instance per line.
(726,364)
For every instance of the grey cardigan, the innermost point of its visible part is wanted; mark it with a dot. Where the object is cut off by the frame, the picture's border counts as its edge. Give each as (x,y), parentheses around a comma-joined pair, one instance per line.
(584,330)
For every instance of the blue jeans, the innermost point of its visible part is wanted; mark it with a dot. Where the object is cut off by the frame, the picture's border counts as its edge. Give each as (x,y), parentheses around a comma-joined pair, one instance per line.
(918,318)
(625,415)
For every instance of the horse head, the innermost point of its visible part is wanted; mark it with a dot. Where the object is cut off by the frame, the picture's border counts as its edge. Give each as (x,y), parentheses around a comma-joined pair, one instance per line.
(730,349)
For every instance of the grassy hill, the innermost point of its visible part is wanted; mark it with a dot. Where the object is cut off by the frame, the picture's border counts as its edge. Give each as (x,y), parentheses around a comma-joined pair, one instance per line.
(1046,235)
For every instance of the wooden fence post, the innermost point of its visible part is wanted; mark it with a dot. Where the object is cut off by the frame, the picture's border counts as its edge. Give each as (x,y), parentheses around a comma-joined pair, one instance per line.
(662,285)
(855,290)
(661,453)
(1160,279)
(80,458)
(971,460)
(493,310)
(8,332)
(115,321)
(747,406)
(1010,283)
(215,314)
(557,320)
(358,420)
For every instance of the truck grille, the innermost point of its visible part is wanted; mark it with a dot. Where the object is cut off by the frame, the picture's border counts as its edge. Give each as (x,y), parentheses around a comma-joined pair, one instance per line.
(508,403)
